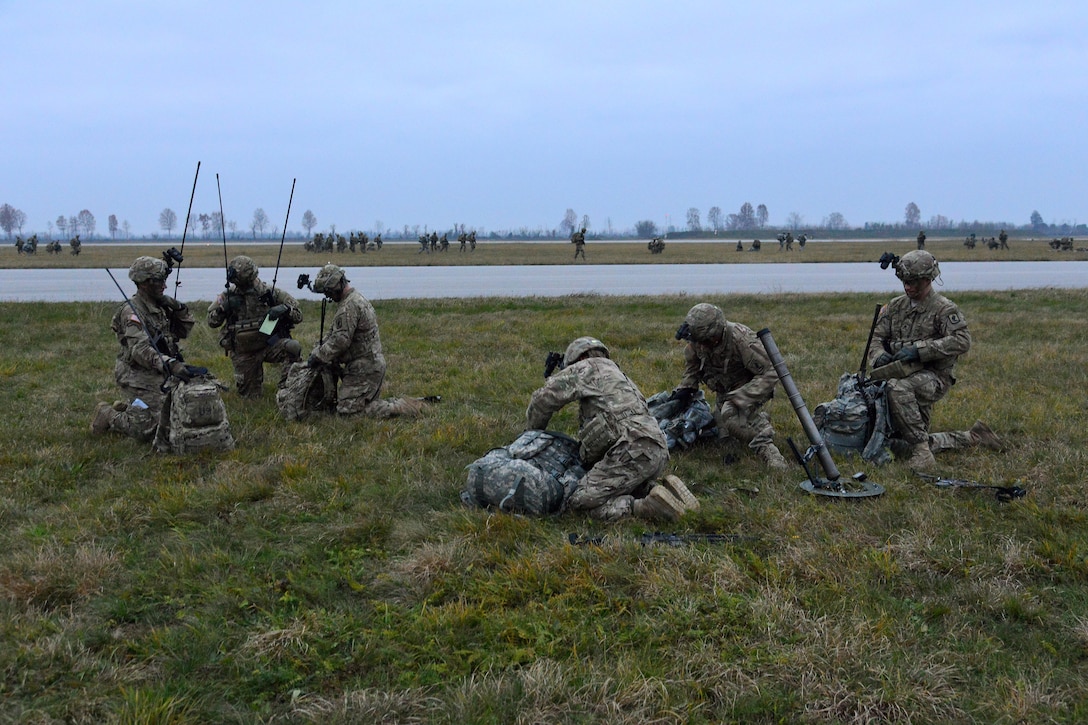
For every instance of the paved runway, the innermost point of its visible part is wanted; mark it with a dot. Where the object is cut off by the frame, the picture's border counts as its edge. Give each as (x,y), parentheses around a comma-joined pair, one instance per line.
(87,285)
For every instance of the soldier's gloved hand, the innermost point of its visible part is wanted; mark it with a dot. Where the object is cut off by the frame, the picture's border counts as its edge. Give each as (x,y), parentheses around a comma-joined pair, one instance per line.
(277,312)
(684,395)
(172,304)
(180,370)
(312,361)
(907,354)
(882,359)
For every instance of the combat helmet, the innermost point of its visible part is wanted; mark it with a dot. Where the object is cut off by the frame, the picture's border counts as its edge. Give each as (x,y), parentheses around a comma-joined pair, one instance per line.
(330,277)
(245,270)
(148,268)
(706,322)
(918,264)
(580,347)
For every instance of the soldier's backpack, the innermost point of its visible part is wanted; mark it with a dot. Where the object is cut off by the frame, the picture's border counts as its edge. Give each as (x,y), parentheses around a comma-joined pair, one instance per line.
(534,475)
(683,423)
(193,418)
(305,390)
(856,421)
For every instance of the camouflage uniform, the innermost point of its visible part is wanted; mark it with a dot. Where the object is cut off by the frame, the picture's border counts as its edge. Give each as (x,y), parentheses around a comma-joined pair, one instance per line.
(928,336)
(921,240)
(240,311)
(354,346)
(731,360)
(619,437)
(141,369)
(578,239)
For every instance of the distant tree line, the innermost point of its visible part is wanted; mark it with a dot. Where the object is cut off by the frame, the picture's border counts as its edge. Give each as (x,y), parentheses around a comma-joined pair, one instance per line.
(748,218)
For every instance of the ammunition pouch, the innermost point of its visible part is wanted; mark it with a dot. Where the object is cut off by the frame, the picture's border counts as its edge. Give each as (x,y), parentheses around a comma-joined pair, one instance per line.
(598,434)
(246,337)
(895,369)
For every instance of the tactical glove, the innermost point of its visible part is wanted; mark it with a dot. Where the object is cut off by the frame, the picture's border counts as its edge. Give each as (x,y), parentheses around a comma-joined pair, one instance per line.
(907,354)
(179,370)
(882,359)
(277,312)
(312,361)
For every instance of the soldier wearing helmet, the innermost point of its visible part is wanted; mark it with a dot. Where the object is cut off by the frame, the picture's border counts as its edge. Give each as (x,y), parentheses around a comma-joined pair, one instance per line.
(578,239)
(919,337)
(731,361)
(621,443)
(149,327)
(242,310)
(354,348)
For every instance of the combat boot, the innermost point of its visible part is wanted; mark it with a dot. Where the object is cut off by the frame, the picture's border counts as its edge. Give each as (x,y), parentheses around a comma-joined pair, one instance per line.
(769,455)
(104,414)
(658,505)
(680,492)
(921,458)
(982,435)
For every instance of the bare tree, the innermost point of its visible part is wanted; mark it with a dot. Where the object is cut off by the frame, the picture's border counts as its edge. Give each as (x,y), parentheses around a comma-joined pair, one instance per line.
(113,226)
(836,222)
(585,221)
(86,222)
(126,229)
(259,223)
(794,220)
(216,223)
(714,218)
(7,218)
(20,219)
(912,216)
(62,225)
(309,221)
(645,228)
(379,226)
(746,217)
(570,220)
(762,215)
(693,220)
(205,224)
(168,220)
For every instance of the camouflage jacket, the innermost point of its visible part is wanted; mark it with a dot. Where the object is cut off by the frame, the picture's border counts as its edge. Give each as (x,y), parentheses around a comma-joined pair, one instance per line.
(737,368)
(603,392)
(244,310)
(354,333)
(167,322)
(935,326)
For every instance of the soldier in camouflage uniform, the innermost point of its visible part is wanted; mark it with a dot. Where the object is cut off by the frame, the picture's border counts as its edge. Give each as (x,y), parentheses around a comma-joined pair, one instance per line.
(354,347)
(148,356)
(731,360)
(578,239)
(240,311)
(923,333)
(621,443)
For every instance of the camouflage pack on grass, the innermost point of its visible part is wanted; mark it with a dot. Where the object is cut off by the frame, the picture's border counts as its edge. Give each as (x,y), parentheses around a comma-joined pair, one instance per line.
(305,390)
(682,422)
(533,475)
(856,421)
(193,418)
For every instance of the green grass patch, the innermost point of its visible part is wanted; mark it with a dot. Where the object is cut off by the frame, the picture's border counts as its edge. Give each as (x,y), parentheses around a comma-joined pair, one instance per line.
(326,572)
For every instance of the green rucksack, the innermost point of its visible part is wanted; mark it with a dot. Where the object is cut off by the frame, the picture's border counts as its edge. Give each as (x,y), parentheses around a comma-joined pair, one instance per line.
(534,475)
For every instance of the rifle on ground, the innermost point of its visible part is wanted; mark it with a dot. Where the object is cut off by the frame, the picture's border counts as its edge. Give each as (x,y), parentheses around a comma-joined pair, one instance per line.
(1003,493)
(670,539)
(178,255)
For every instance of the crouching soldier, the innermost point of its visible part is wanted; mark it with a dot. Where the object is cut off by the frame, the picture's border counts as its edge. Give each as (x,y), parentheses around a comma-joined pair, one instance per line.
(730,359)
(149,327)
(256,322)
(621,443)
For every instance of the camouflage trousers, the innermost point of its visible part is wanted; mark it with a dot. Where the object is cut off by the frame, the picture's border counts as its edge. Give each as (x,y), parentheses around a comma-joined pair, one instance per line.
(910,404)
(755,428)
(360,386)
(249,366)
(136,421)
(605,492)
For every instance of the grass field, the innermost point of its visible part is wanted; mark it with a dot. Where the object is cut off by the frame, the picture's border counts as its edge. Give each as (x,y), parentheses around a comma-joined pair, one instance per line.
(326,572)
(210,254)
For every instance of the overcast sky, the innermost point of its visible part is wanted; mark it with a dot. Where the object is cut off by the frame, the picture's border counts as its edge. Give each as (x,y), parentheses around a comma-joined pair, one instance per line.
(503,114)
